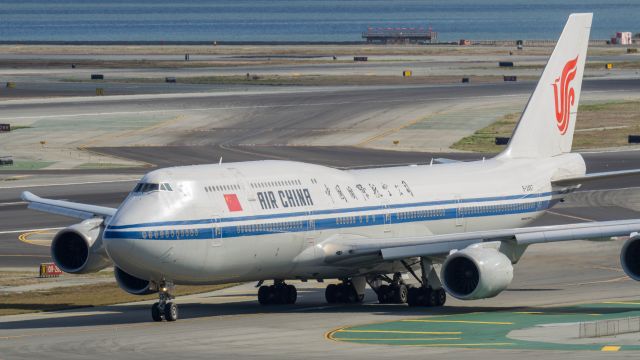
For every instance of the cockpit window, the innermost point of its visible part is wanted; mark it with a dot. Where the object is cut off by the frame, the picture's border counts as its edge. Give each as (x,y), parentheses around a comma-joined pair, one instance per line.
(149,187)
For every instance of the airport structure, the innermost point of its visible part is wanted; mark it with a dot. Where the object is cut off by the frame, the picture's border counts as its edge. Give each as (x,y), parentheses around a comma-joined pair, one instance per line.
(377,35)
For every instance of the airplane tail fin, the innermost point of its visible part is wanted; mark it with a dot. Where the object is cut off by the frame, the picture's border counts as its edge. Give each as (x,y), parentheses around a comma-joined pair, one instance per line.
(546,126)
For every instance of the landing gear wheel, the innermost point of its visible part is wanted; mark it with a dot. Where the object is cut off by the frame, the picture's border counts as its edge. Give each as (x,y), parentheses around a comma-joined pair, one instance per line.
(264,295)
(292,294)
(413,296)
(278,294)
(171,311)
(400,294)
(156,314)
(383,294)
(441,297)
(331,293)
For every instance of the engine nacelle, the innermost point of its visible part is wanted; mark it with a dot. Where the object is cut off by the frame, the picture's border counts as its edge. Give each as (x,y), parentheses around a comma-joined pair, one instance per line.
(78,249)
(476,273)
(132,284)
(630,257)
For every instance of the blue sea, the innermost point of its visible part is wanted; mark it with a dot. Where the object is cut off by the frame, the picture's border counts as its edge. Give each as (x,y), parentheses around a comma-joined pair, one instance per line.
(302,20)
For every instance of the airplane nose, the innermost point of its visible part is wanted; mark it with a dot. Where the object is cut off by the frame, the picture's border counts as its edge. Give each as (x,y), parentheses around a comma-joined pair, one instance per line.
(132,254)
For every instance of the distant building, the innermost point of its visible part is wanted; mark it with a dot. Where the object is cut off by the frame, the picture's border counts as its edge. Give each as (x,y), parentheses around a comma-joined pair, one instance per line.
(622,38)
(400,35)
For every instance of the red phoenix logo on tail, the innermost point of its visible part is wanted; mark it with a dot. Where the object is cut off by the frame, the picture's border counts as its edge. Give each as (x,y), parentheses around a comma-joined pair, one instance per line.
(564,95)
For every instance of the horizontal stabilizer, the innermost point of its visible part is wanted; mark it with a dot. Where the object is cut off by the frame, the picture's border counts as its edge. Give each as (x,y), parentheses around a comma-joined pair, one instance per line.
(594,176)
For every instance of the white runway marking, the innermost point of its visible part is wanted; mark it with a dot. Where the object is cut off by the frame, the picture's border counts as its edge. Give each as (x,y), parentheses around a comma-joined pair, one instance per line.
(13,203)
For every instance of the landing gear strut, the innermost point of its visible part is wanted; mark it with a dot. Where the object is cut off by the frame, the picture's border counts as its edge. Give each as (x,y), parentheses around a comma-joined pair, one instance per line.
(277,294)
(430,292)
(345,292)
(165,308)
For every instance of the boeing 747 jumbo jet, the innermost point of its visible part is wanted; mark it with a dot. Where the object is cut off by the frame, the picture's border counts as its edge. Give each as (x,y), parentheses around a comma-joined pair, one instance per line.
(457,227)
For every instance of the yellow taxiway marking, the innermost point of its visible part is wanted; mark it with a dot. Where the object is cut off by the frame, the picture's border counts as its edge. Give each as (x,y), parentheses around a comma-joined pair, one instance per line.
(462,322)
(390,339)
(402,332)
(610,348)
(24,237)
(461,345)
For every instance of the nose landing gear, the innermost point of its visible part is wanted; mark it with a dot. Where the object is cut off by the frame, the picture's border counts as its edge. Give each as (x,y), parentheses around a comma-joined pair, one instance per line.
(165,308)
(277,294)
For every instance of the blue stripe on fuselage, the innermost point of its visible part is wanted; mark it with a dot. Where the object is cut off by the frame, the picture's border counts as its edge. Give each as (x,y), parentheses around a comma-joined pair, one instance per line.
(329,223)
(334,211)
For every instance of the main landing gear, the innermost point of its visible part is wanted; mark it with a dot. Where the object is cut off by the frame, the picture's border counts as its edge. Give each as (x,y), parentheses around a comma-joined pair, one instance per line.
(395,292)
(350,291)
(430,292)
(165,308)
(277,294)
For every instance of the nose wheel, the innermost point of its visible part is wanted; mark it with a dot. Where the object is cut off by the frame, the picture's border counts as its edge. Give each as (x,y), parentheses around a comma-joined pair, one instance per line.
(165,309)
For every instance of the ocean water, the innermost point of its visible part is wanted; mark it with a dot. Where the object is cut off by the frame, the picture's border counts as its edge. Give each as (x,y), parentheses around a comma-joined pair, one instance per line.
(301,20)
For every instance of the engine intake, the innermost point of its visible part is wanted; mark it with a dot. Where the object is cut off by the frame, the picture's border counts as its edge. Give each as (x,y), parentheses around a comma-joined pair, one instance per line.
(476,273)
(132,284)
(78,249)
(630,257)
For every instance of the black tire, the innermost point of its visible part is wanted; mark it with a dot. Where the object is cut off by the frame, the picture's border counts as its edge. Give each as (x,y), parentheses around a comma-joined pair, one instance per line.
(412,296)
(351,295)
(400,294)
(292,294)
(383,294)
(330,293)
(263,295)
(432,297)
(441,297)
(423,296)
(156,314)
(170,311)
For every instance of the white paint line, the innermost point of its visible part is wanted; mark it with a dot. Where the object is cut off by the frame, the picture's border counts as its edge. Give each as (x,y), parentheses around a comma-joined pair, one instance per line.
(69,184)
(12,203)
(28,230)
(570,216)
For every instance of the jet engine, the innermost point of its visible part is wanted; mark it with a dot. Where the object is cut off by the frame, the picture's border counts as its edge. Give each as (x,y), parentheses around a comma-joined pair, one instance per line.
(630,257)
(476,273)
(78,248)
(133,285)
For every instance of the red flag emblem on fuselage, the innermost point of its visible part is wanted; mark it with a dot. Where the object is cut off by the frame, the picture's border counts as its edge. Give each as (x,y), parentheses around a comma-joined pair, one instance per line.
(564,96)
(233,204)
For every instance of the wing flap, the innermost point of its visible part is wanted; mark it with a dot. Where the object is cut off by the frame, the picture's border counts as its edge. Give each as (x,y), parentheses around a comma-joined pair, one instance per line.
(66,208)
(436,245)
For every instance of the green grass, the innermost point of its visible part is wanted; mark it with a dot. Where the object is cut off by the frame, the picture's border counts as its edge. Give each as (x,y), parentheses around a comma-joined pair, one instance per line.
(26,165)
(599,125)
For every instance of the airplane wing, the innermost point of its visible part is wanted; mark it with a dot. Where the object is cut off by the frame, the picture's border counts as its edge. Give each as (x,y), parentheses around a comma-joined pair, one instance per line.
(338,249)
(66,208)
(595,176)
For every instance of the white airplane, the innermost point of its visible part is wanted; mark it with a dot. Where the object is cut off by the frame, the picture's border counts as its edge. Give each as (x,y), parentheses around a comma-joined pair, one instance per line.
(457,227)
